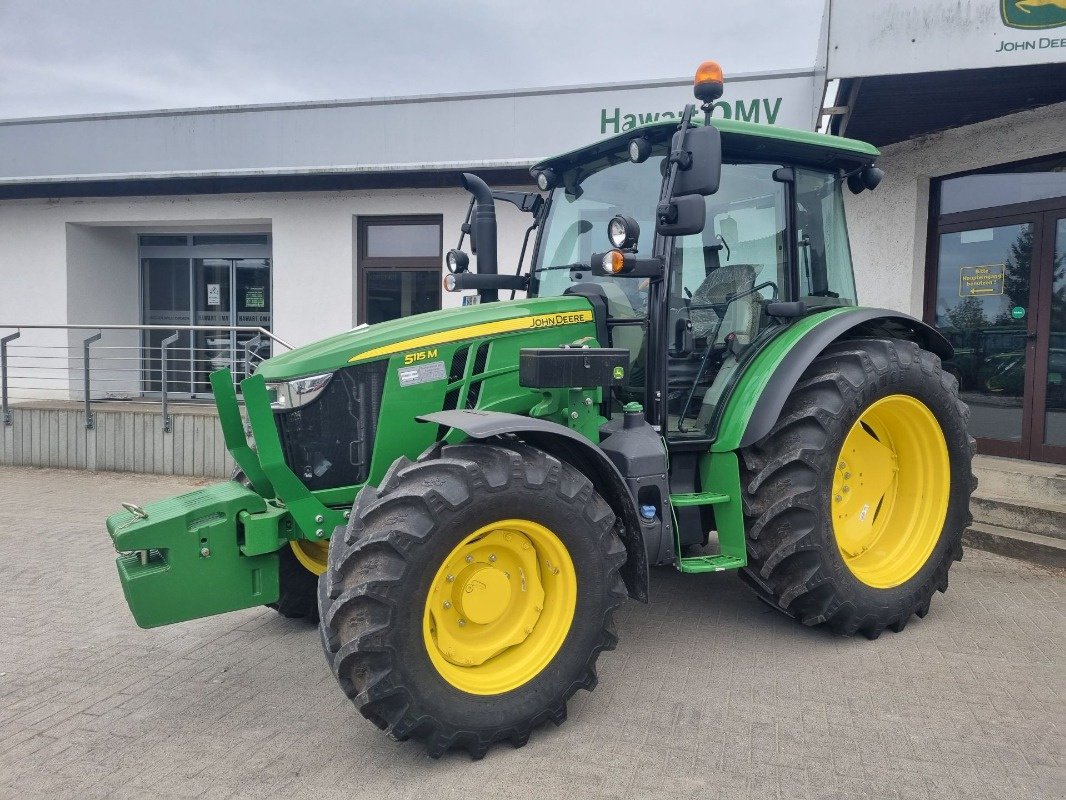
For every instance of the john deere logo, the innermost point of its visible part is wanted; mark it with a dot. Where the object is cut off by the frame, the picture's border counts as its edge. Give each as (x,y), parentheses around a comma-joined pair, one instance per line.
(1033,14)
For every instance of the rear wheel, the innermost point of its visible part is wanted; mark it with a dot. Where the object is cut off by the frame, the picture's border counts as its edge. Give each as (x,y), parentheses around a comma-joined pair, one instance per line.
(471,595)
(856,501)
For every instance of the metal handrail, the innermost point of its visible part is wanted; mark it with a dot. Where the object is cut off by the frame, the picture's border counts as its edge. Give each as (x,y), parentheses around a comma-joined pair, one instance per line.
(83,327)
(138,353)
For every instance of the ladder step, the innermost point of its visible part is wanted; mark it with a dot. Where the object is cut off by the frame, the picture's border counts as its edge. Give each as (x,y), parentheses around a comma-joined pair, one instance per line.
(694,564)
(698,499)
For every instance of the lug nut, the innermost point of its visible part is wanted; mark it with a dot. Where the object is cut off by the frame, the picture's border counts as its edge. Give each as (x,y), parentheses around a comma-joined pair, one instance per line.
(450,578)
(462,623)
(319,518)
(469,559)
(447,603)
(492,557)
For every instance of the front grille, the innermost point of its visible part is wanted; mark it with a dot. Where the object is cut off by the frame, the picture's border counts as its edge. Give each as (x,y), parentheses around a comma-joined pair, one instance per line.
(329,442)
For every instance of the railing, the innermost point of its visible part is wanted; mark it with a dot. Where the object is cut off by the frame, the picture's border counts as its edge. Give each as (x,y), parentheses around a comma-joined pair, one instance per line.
(123,362)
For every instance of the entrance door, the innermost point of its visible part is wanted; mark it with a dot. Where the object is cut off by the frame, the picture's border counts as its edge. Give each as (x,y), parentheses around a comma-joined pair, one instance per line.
(206,280)
(1001,301)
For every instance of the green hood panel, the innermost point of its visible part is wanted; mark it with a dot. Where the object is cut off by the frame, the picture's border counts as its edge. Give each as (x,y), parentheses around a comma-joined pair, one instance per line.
(424,330)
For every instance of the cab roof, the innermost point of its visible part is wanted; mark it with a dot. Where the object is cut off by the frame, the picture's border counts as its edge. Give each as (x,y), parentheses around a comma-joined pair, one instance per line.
(743,140)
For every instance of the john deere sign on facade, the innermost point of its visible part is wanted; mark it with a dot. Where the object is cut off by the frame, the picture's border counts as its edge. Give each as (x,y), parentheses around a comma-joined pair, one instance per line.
(892,37)
(1033,14)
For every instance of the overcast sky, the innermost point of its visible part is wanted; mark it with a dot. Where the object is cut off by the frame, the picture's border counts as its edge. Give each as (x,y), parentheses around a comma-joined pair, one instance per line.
(115,55)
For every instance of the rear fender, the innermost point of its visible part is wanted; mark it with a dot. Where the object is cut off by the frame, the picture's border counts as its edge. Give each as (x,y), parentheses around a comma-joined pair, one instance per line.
(756,401)
(583,455)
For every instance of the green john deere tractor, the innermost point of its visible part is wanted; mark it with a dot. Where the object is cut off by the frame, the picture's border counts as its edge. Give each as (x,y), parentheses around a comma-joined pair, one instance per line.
(461,499)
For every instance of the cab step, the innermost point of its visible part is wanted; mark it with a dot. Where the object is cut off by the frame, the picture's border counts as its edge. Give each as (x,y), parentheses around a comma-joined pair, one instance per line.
(698,499)
(719,563)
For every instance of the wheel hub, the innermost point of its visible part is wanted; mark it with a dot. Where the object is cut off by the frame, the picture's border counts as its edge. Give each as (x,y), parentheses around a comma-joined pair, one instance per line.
(487,598)
(485,595)
(500,607)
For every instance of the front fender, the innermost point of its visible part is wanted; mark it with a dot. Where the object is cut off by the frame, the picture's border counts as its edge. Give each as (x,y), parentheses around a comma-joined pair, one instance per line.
(755,403)
(580,453)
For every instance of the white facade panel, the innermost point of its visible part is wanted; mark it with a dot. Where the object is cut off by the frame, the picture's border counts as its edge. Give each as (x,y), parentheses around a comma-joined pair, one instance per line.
(889,226)
(443,132)
(897,37)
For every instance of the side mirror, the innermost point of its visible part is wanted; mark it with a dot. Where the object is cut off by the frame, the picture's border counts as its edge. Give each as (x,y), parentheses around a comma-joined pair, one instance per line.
(705,165)
(682,216)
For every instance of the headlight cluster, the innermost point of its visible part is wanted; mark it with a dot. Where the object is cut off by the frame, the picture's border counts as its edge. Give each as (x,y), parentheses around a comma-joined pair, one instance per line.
(298,392)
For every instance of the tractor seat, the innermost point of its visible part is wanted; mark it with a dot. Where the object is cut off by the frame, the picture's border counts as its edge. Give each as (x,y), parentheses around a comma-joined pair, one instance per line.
(741,317)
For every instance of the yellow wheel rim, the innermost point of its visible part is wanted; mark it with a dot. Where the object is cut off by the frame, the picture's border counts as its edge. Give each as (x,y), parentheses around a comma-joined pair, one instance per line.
(500,607)
(312,555)
(890,491)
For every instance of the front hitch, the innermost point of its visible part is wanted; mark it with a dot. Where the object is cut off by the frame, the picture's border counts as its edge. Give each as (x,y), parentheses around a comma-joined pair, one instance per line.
(198,554)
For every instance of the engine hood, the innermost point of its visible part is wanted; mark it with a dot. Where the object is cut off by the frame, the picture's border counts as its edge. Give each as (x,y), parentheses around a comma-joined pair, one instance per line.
(385,339)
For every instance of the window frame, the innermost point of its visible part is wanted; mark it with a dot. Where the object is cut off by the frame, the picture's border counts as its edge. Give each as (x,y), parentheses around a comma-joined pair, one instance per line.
(365,264)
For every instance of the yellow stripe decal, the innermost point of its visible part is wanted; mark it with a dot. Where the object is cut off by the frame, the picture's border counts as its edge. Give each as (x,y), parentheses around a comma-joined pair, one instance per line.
(482,329)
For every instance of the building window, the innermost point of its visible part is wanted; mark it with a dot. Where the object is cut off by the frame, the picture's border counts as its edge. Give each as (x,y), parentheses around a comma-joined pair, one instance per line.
(399,267)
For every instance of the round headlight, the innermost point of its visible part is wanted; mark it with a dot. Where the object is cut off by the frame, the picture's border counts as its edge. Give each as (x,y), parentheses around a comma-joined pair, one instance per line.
(456,261)
(449,283)
(639,150)
(623,231)
(546,180)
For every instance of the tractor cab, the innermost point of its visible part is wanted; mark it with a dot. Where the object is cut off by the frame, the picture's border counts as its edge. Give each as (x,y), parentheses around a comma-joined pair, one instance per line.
(774,235)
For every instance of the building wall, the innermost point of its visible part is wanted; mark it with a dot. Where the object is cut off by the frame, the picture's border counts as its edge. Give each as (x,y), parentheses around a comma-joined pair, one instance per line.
(889,226)
(76,260)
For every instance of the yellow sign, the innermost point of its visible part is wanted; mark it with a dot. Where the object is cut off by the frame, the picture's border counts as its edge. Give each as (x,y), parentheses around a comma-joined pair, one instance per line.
(981,281)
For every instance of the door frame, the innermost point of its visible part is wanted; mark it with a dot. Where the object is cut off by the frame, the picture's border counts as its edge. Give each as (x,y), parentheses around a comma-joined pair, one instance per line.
(1041,214)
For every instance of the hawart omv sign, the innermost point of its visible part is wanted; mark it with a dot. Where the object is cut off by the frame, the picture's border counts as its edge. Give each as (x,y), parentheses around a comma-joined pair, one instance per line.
(892,37)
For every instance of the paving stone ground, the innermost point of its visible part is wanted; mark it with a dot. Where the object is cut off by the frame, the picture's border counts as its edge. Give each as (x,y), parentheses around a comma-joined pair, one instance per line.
(710,693)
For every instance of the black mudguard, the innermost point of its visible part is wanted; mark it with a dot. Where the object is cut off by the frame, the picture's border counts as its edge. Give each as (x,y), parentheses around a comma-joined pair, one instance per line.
(861,323)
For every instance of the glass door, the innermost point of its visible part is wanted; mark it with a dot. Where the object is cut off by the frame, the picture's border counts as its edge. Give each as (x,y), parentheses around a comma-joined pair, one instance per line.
(214,280)
(251,277)
(984,298)
(213,349)
(1001,301)
(1050,390)
(166,288)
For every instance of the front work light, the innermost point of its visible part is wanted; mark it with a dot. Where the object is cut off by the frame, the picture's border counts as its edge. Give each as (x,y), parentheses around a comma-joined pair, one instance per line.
(456,261)
(639,150)
(623,232)
(449,283)
(546,180)
(709,82)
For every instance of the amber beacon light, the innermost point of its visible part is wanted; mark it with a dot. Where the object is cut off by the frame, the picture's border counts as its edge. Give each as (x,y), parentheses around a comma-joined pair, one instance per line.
(709,82)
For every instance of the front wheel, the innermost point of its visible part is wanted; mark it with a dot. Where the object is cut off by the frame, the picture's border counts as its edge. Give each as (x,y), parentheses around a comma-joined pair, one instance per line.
(856,502)
(471,595)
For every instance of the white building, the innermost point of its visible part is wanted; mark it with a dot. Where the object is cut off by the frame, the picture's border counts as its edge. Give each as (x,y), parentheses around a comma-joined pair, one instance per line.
(309,218)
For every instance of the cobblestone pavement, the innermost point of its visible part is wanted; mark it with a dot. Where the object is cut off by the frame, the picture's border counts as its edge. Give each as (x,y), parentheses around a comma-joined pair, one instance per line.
(710,692)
